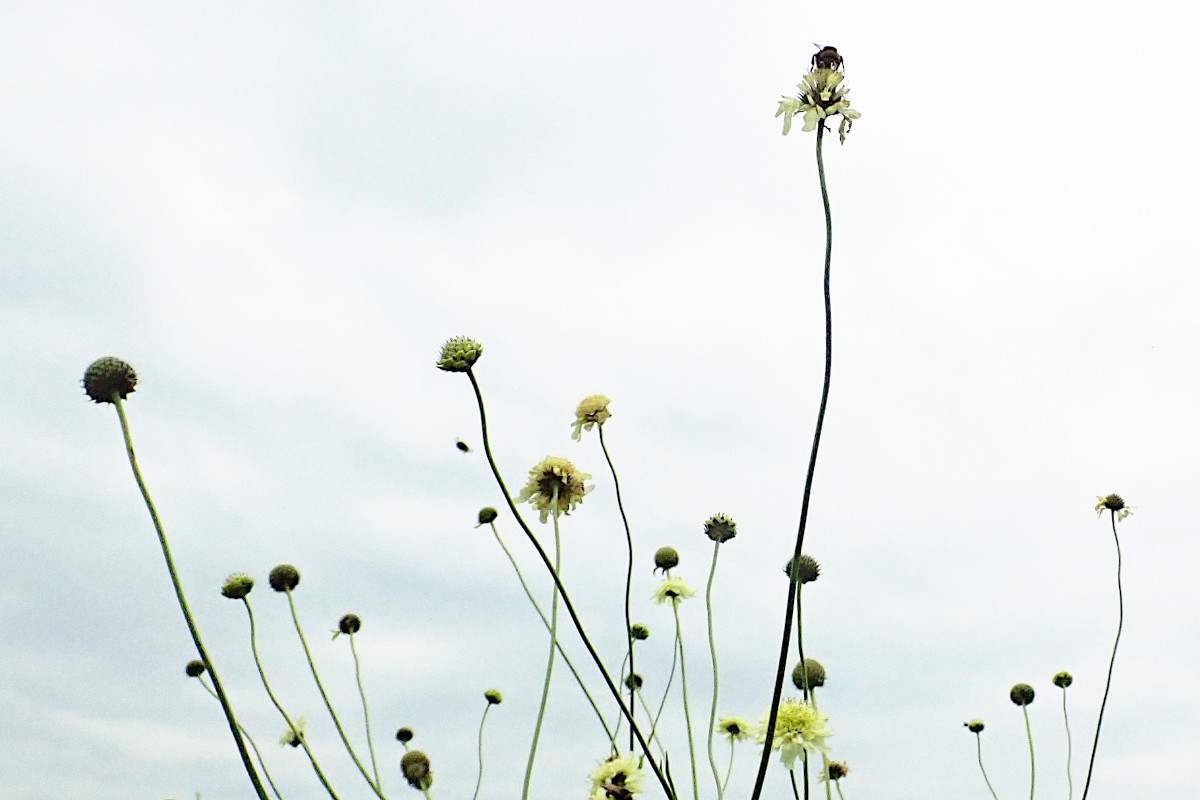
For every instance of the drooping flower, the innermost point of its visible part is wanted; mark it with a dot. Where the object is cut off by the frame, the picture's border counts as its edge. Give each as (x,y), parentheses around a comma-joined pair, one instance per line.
(617,778)
(736,728)
(798,728)
(293,735)
(821,96)
(592,410)
(672,590)
(551,475)
(1113,503)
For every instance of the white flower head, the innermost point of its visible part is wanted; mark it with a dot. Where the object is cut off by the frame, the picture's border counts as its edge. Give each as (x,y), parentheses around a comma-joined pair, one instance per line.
(798,728)
(592,410)
(617,774)
(293,735)
(736,728)
(672,590)
(554,477)
(821,96)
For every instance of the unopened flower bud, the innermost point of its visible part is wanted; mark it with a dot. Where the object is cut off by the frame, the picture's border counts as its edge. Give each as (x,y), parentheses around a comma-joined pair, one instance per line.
(1021,694)
(816,674)
(974,726)
(404,735)
(459,354)
(108,379)
(640,632)
(1063,680)
(665,558)
(237,586)
(414,765)
(284,578)
(350,624)
(633,681)
(487,515)
(493,697)
(194,669)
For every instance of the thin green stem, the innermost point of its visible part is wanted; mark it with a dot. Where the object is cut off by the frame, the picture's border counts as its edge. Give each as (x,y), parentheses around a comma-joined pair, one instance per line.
(712,651)
(979,756)
(366,714)
(262,675)
(587,643)
(666,689)
(257,753)
(628,568)
(561,652)
(1067,724)
(838,784)
(781,668)
(728,768)
(800,640)
(541,715)
(1111,661)
(479,780)
(325,697)
(1029,735)
(687,714)
(226,707)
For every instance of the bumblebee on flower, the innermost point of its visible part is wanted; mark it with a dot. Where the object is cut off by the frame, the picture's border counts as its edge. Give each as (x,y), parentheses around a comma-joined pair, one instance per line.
(821,96)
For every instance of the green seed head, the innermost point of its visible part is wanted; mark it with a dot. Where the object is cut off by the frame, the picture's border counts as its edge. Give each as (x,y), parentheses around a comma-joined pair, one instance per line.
(1063,679)
(237,586)
(350,624)
(720,528)
(1021,694)
(640,632)
(493,697)
(974,726)
(665,558)
(816,674)
(806,567)
(414,766)
(194,669)
(284,578)
(487,515)
(108,379)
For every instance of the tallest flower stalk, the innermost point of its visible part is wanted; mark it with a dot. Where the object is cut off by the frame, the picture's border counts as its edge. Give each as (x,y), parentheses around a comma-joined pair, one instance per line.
(821,97)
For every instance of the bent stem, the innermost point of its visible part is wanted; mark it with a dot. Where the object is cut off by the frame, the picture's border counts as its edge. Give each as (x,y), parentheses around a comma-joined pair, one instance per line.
(628,570)
(366,714)
(562,590)
(1067,724)
(257,753)
(291,725)
(541,715)
(328,705)
(1111,661)
(234,728)
(781,669)
(479,780)
(687,714)
(712,651)
(1029,735)
(979,756)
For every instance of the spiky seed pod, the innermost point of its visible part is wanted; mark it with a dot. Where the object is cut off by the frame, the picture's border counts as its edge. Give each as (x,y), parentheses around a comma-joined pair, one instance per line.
(414,765)
(720,528)
(237,586)
(665,558)
(350,624)
(1021,694)
(107,379)
(284,578)
(807,568)
(195,668)
(459,354)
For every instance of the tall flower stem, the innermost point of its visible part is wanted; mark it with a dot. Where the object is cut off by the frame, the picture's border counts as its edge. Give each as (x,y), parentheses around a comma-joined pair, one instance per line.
(325,697)
(628,570)
(262,675)
(1029,736)
(1111,661)
(479,780)
(979,757)
(1067,724)
(366,714)
(561,652)
(257,753)
(687,714)
(712,651)
(570,607)
(234,728)
(781,669)
(541,715)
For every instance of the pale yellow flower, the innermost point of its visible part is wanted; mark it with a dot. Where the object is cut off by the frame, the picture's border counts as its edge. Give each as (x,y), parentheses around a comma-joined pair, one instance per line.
(553,475)
(592,410)
(1113,503)
(672,590)
(735,728)
(617,773)
(821,96)
(293,735)
(798,728)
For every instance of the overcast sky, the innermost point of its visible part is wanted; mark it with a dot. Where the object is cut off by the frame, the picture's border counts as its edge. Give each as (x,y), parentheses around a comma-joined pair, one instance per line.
(278,212)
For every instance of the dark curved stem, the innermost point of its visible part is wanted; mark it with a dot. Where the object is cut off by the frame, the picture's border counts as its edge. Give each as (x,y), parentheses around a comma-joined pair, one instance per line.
(1111,661)
(628,570)
(781,669)
(562,590)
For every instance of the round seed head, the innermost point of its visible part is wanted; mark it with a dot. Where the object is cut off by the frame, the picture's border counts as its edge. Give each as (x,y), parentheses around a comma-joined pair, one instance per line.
(195,668)
(350,624)
(487,515)
(720,528)
(1021,694)
(404,735)
(974,726)
(414,765)
(806,567)
(108,379)
(665,558)
(640,632)
(816,674)
(284,578)
(493,697)
(237,586)
(1063,679)
(633,681)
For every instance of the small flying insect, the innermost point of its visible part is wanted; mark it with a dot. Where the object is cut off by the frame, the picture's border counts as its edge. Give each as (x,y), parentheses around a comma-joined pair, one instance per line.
(826,58)
(463,446)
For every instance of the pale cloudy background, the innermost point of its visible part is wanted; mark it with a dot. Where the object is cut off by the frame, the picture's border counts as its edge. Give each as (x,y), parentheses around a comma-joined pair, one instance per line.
(278,212)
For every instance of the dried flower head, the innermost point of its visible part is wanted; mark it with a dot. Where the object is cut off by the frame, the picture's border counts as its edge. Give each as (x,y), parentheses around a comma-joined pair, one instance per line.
(554,477)
(284,578)
(493,697)
(618,777)
(1021,694)
(633,681)
(414,766)
(592,410)
(108,379)
(720,528)
(404,735)
(1113,503)
(294,734)
(1063,680)
(798,728)
(736,728)
(806,567)
(459,354)
(836,771)
(665,558)
(349,624)
(639,632)
(487,515)
(672,590)
(814,670)
(237,586)
(821,96)
(974,726)
(195,668)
